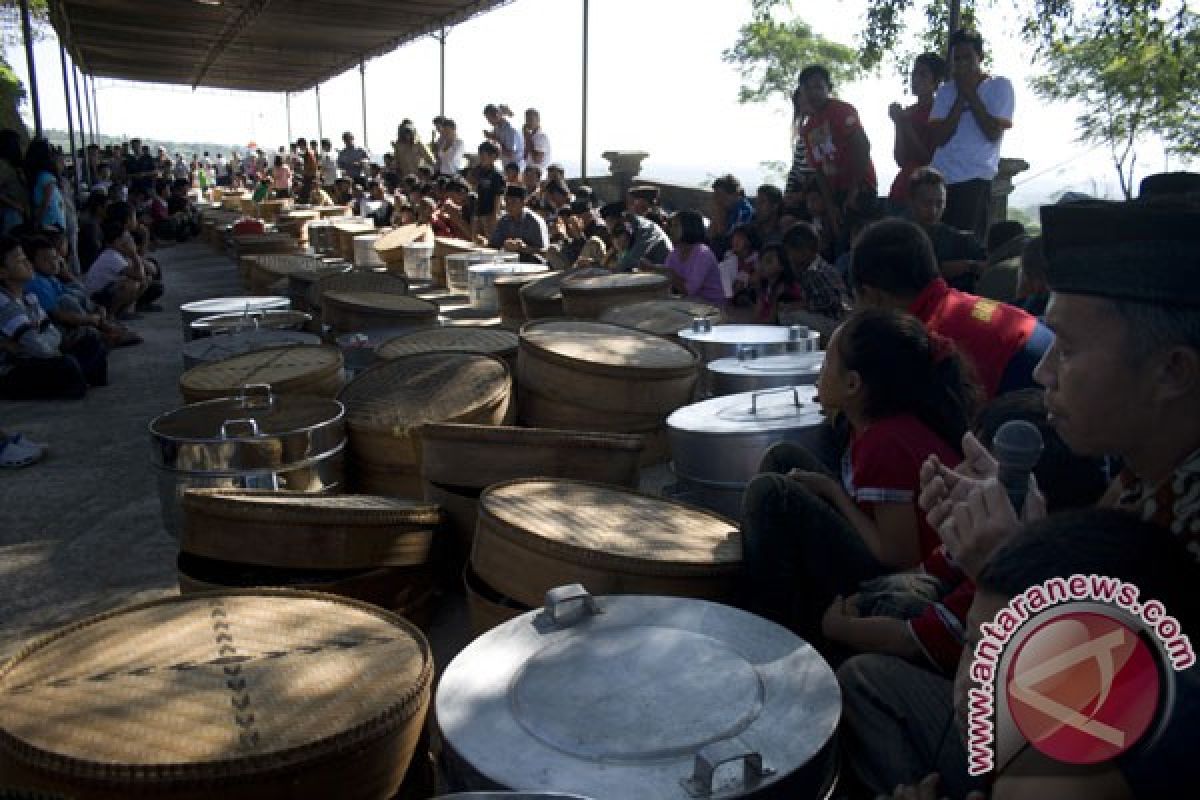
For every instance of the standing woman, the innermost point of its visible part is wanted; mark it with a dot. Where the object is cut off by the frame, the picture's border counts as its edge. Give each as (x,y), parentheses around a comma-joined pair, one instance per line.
(914,135)
(691,266)
(43,173)
(14,191)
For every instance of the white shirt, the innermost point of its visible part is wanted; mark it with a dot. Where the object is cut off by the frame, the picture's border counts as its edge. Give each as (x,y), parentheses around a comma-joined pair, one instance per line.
(969,155)
(450,160)
(107,268)
(539,141)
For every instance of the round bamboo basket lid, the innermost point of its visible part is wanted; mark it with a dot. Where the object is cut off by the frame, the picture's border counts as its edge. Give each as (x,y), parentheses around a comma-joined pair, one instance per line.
(544,298)
(661,317)
(299,369)
(305,531)
(237,695)
(399,305)
(281,265)
(535,534)
(605,349)
(615,283)
(384,403)
(362,281)
(440,340)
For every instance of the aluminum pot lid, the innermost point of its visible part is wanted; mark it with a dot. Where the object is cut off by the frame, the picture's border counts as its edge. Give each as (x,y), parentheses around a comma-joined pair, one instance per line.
(506,268)
(272,414)
(783,408)
(738,334)
(271,318)
(615,697)
(798,364)
(233,305)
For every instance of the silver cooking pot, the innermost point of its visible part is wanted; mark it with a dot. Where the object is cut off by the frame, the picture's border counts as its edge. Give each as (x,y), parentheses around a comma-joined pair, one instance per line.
(190,312)
(258,440)
(718,444)
(636,697)
(712,342)
(748,372)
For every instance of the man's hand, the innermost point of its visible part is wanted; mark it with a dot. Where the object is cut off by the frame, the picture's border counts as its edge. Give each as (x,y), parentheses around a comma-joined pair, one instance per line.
(839,616)
(975,527)
(940,483)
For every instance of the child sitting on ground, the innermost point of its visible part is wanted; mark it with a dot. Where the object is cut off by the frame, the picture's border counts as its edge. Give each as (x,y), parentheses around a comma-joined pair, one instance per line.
(116,280)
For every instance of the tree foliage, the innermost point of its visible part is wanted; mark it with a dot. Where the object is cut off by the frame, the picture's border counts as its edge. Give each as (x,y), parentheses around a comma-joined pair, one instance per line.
(1135,77)
(770,53)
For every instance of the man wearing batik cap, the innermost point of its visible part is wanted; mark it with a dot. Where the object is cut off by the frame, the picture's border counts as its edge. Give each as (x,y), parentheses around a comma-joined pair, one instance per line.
(519,229)
(1122,378)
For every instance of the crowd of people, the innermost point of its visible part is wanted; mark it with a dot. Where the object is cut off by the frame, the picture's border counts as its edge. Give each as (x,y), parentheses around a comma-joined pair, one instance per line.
(888,548)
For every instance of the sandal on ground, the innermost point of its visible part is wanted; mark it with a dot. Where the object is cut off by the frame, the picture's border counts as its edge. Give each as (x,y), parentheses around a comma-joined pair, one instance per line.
(17,452)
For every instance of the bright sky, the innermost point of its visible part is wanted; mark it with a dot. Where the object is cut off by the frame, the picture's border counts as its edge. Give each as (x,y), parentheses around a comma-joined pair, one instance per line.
(657,83)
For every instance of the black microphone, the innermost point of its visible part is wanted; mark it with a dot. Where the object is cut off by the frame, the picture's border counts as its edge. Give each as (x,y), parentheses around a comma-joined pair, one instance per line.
(1017,446)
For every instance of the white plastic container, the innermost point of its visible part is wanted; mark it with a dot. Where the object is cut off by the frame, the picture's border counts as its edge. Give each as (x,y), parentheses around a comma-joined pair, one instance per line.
(418,261)
(481,281)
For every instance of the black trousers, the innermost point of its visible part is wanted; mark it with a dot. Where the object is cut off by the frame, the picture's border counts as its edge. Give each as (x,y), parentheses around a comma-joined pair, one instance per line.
(44,379)
(969,207)
(799,552)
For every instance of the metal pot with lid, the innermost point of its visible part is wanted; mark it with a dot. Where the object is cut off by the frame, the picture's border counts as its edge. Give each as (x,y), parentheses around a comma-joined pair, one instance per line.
(255,441)
(711,342)
(717,444)
(190,312)
(626,697)
(748,372)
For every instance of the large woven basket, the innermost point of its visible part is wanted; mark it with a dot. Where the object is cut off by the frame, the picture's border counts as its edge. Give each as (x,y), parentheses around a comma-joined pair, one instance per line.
(459,461)
(662,317)
(303,285)
(508,297)
(303,531)
(453,339)
(487,608)
(264,270)
(592,376)
(241,695)
(301,369)
(543,298)
(588,298)
(407,591)
(365,310)
(344,233)
(538,533)
(387,402)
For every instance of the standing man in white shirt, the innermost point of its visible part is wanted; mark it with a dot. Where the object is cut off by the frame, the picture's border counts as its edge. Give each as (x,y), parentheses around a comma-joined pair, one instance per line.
(328,165)
(970,114)
(537,143)
(448,146)
(504,135)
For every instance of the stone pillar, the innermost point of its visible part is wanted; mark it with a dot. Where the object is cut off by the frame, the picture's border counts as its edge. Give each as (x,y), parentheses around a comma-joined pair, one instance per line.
(625,165)
(1002,186)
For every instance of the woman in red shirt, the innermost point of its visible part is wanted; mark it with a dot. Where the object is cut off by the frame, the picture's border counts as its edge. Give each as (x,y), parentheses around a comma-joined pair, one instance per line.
(914,135)
(808,536)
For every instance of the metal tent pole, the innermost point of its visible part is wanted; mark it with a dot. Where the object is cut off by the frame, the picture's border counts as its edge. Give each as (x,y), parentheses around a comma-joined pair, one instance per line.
(287,104)
(362,80)
(583,137)
(62,54)
(320,129)
(95,104)
(87,163)
(87,103)
(442,73)
(27,31)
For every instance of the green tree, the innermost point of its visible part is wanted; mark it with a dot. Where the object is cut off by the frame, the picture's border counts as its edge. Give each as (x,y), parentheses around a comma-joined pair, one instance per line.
(769,53)
(1133,81)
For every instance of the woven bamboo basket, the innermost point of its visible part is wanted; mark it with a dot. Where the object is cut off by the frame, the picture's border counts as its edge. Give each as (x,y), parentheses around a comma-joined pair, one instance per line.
(662,317)
(538,533)
(387,402)
(383,480)
(347,311)
(231,202)
(588,298)
(330,212)
(344,233)
(591,376)
(487,608)
(300,369)
(508,297)
(295,223)
(543,298)
(264,270)
(240,695)
(444,340)
(247,206)
(301,531)
(270,210)
(459,461)
(391,245)
(302,286)
(407,591)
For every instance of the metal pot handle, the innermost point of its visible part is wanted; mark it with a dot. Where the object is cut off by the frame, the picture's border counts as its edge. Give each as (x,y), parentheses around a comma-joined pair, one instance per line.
(701,325)
(712,756)
(754,397)
(746,352)
(249,425)
(559,596)
(257,395)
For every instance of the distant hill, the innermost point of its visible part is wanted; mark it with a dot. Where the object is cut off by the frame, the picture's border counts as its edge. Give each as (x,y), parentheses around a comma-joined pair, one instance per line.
(60,139)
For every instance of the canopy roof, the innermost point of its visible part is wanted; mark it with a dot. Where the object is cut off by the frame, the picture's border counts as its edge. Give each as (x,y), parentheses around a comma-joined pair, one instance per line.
(263,45)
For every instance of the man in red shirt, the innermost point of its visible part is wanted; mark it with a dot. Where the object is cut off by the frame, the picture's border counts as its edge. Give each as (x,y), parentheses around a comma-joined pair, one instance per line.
(838,148)
(893,266)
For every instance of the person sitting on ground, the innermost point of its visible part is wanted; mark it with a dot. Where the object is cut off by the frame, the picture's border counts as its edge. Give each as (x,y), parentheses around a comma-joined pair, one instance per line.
(961,257)
(774,283)
(556,196)
(808,537)
(580,247)
(489,187)
(17,450)
(691,265)
(531,179)
(90,240)
(914,142)
(644,201)
(117,280)
(649,245)
(512,173)
(739,270)
(14,191)
(33,365)
(893,266)
(1005,243)
(149,266)
(182,211)
(381,210)
(519,230)
(457,210)
(768,214)
(43,170)
(1033,293)
(730,208)
(824,299)
(66,301)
